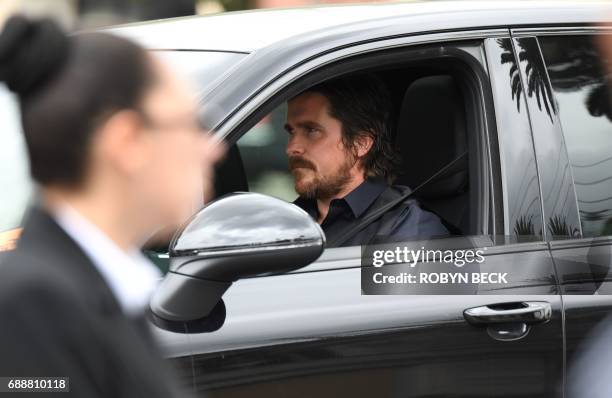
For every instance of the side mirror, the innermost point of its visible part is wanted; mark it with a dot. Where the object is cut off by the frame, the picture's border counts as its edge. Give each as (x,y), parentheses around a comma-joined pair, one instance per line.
(237,236)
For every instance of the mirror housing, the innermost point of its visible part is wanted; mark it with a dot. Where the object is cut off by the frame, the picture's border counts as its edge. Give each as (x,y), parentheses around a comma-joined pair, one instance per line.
(237,236)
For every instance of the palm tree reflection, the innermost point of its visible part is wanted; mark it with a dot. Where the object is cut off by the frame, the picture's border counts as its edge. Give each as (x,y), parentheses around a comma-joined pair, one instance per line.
(573,64)
(535,72)
(507,57)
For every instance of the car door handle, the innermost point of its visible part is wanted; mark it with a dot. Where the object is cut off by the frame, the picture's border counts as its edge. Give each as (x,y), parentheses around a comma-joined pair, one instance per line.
(528,312)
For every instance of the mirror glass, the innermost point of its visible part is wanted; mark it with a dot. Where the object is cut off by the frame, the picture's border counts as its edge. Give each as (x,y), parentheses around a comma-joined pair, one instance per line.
(244,221)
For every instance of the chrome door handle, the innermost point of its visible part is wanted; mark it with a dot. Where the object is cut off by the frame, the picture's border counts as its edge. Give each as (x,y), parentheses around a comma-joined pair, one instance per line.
(529,312)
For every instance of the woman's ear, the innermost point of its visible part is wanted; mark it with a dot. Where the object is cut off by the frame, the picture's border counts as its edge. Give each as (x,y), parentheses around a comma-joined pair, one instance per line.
(119,142)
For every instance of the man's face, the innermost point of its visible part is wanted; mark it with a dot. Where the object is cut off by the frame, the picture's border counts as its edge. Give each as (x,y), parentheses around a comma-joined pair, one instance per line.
(318,159)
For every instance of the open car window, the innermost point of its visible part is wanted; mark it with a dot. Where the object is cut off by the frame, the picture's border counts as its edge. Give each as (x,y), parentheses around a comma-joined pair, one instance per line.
(264,159)
(430,119)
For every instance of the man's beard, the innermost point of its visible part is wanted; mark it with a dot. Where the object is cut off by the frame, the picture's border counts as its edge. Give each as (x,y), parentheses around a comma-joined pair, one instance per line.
(321,186)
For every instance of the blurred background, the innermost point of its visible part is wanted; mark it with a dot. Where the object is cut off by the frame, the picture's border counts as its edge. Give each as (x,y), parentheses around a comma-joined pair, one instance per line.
(96,13)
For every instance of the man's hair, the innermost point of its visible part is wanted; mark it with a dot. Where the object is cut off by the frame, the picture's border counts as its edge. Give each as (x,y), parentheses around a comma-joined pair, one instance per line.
(362,103)
(68,87)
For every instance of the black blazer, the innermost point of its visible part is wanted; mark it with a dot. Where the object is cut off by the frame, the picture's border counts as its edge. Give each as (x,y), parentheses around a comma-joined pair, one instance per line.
(59,318)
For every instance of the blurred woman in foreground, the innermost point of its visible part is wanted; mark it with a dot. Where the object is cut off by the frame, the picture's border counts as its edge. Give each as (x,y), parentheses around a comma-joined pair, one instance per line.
(116,150)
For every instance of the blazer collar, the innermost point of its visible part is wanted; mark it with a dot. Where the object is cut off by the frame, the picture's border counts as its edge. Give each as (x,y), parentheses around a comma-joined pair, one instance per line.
(44,238)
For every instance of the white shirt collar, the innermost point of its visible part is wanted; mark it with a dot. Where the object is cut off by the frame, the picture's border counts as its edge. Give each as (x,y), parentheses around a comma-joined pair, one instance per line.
(131,276)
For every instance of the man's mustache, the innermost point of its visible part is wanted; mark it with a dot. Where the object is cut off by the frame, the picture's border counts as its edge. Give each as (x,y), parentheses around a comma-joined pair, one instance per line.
(297,161)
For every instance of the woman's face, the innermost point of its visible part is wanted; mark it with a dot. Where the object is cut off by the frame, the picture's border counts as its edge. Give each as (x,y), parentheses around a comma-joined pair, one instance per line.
(178,157)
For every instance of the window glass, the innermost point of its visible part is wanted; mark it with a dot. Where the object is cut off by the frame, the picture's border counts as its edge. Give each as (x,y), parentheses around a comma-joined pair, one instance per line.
(443,207)
(581,93)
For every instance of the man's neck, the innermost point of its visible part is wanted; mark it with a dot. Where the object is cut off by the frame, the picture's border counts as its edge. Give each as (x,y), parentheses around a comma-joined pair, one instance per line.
(323,203)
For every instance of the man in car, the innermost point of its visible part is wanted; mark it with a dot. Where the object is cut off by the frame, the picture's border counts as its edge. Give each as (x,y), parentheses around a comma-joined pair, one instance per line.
(343,162)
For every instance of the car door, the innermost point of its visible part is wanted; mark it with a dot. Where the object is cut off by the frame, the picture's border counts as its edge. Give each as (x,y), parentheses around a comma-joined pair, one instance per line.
(579,183)
(314,332)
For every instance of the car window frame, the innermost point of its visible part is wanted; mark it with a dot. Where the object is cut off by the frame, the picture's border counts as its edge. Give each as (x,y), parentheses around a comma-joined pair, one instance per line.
(259,105)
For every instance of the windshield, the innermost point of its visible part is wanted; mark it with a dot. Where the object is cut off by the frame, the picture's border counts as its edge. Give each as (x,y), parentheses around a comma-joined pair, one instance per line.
(202,69)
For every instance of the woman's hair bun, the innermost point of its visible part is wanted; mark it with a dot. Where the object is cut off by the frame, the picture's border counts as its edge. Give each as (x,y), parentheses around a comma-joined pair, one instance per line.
(32,52)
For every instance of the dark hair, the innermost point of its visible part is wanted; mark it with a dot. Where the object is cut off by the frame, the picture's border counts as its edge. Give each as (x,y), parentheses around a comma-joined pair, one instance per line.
(67,87)
(362,103)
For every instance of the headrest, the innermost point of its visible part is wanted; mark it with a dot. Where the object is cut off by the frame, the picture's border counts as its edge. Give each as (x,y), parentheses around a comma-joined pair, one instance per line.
(431,133)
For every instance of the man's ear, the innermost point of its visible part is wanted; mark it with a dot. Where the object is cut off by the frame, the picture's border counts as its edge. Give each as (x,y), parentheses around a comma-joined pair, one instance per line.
(363,144)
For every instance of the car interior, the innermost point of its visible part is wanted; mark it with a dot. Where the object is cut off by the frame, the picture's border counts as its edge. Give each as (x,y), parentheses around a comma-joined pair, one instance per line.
(433,115)
(431,134)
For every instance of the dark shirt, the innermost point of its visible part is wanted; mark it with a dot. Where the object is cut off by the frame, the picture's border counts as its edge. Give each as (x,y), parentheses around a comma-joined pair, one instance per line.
(409,220)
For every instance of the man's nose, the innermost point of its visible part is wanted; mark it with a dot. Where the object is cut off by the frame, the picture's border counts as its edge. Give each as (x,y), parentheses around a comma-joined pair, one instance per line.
(294,147)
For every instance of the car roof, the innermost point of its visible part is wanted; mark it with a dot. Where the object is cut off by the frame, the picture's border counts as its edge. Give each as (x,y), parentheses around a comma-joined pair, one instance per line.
(248,31)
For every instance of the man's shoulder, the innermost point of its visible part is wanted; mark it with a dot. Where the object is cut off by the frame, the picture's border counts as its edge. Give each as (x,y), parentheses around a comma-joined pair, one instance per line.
(412,219)
(402,189)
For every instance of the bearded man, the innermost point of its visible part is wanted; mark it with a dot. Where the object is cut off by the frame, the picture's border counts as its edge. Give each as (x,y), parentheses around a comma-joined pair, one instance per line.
(343,163)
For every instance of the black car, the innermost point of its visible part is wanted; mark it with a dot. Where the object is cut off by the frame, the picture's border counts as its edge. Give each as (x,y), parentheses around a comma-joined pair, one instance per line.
(513,94)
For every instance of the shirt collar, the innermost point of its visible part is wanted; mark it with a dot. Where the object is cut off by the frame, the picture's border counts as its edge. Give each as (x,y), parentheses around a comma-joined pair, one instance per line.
(131,277)
(358,200)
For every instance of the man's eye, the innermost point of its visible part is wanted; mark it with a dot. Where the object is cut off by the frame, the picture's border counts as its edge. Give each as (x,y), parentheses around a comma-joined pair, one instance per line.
(312,130)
